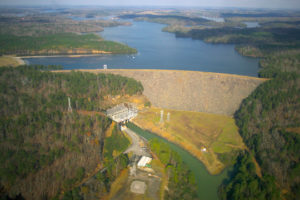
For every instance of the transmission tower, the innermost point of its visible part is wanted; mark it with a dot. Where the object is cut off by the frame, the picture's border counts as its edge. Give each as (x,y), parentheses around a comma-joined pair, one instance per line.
(161,116)
(69,107)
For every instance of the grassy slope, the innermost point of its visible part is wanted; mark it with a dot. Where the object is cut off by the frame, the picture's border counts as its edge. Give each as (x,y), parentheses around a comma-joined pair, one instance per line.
(193,130)
(9,61)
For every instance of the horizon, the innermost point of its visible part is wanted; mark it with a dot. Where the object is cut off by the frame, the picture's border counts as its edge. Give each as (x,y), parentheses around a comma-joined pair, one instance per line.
(150,7)
(214,4)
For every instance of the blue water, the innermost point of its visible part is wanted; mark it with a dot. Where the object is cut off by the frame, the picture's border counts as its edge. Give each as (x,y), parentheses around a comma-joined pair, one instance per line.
(252,24)
(160,50)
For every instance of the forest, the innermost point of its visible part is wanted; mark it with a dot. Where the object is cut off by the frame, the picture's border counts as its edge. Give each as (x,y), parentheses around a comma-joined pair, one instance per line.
(56,34)
(262,40)
(166,19)
(41,24)
(268,122)
(59,44)
(246,184)
(114,161)
(45,148)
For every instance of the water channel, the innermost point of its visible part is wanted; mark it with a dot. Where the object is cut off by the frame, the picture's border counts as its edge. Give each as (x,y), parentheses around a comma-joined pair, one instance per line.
(207,184)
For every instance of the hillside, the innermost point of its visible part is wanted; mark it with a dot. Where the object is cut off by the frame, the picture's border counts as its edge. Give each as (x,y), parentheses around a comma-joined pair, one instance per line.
(45,148)
(60,44)
(268,122)
(55,34)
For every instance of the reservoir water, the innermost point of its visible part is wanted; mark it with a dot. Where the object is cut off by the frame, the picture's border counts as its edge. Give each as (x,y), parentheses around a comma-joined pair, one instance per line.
(160,50)
(207,184)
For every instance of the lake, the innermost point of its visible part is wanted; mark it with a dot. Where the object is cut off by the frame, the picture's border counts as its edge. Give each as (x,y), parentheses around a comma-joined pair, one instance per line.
(252,24)
(160,50)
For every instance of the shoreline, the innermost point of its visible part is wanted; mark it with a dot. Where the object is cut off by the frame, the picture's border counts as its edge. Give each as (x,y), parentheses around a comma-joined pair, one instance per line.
(20,60)
(67,55)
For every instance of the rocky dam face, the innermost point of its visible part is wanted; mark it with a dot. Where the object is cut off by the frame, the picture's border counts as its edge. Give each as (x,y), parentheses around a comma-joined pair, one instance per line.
(192,90)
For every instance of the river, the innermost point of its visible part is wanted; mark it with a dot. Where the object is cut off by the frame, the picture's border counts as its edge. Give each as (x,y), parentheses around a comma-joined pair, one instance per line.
(160,50)
(207,184)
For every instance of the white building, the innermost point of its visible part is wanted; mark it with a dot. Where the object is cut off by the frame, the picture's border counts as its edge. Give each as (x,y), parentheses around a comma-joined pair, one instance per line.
(144,161)
(122,112)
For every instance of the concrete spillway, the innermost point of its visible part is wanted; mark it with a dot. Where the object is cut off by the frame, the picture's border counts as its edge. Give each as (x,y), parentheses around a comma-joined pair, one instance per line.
(192,90)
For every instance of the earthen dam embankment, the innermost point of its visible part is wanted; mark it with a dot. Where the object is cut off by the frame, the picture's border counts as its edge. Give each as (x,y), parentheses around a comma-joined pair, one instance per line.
(192,90)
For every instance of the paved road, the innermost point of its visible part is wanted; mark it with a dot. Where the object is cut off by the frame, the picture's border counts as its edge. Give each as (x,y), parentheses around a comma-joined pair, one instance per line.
(135,146)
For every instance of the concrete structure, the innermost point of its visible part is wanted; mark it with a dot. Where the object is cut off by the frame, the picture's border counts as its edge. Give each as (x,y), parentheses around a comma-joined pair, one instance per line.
(138,187)
(192,90)
(144,161)
(122,112)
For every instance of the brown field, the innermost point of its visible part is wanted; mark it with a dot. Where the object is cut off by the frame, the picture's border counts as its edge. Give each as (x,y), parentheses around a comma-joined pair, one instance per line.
(10,61)
(194,131)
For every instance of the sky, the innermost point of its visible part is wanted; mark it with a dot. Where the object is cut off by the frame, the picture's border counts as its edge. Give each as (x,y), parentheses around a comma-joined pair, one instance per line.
(274,4)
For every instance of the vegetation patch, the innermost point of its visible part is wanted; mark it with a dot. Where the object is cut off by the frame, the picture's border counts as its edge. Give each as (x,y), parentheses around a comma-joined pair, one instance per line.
(181,181)
(247,184)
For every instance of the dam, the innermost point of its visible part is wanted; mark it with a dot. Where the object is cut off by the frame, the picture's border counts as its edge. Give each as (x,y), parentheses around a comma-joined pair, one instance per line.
(191,90)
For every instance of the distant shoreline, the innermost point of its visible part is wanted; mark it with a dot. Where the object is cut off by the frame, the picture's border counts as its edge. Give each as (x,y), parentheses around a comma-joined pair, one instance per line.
(20,59)
(67,55)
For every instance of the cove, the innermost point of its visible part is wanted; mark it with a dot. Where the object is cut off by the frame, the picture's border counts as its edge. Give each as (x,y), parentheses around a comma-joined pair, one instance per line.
(207,184)
(160,50)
